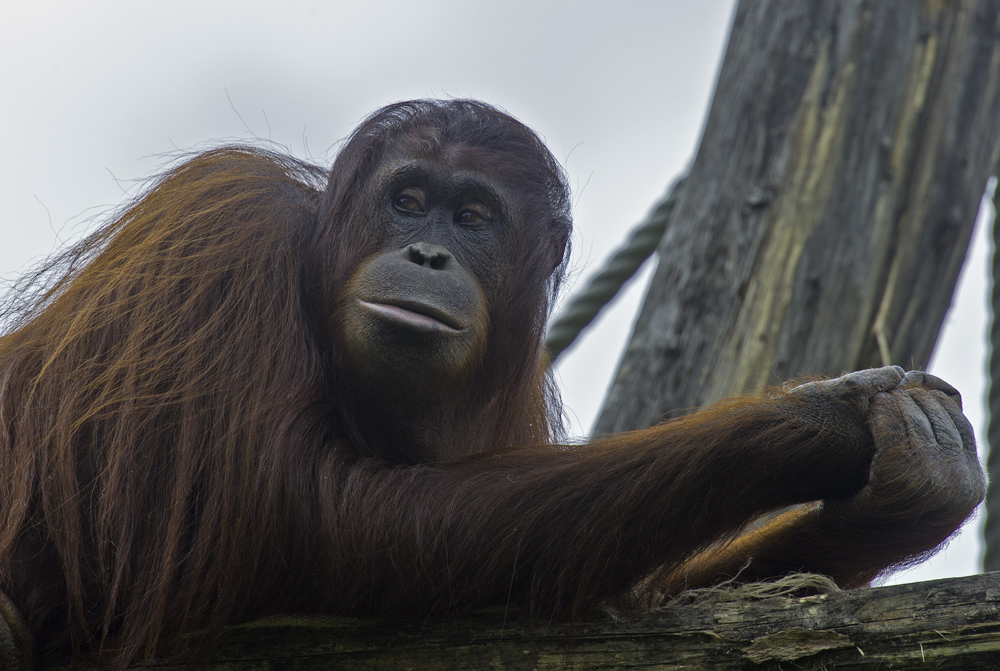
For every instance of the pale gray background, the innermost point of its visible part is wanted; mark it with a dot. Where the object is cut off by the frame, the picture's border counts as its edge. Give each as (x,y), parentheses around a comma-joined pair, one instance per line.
(96,96)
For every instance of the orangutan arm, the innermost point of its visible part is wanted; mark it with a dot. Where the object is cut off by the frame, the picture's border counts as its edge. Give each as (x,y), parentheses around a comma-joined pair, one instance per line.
(561,528)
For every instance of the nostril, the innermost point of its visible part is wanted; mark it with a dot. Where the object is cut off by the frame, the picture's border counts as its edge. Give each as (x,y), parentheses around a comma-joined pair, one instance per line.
(415,255)
(425,254)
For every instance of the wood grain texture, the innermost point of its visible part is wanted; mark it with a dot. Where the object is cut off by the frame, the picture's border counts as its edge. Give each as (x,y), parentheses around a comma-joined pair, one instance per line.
(945,625)
(830,205)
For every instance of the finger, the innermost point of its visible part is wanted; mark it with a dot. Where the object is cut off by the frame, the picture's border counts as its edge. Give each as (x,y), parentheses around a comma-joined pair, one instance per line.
(896,418)
(888,420)
(945,432)
(918,423)
(961,422)
(877,379)
(873,379)
(967,481)
(919,377)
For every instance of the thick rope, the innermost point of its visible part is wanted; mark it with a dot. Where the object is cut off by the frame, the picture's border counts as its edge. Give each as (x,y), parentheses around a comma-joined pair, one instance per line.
(605,285)
(15,642)
(991,528)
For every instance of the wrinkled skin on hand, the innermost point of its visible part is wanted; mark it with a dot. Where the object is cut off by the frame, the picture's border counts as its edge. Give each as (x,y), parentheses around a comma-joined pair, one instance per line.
(919,479)
(925,465)
(924,470)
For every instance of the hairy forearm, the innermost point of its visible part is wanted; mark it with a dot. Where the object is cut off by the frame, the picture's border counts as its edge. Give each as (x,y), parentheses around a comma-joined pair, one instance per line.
(543,523)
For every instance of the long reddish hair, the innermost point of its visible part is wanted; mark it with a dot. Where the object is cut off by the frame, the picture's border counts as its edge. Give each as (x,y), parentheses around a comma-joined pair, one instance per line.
(168,386)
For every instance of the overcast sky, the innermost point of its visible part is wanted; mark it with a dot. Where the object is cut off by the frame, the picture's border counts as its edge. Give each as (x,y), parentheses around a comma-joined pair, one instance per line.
(98,96)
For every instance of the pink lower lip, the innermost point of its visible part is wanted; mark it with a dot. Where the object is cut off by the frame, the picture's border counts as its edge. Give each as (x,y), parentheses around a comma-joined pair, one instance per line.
(407,316)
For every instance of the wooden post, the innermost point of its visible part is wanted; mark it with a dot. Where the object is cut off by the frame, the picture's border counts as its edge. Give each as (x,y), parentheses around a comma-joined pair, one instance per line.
(830,205)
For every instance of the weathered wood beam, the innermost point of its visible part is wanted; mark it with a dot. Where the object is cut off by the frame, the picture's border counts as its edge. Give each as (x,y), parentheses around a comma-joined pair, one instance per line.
(942,625)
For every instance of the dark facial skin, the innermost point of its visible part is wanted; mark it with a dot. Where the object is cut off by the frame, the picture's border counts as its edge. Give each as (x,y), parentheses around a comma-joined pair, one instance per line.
(415,318)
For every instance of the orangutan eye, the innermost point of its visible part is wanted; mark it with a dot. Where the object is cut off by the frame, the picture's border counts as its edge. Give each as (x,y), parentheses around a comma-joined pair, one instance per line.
(474,213)
(410,201)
